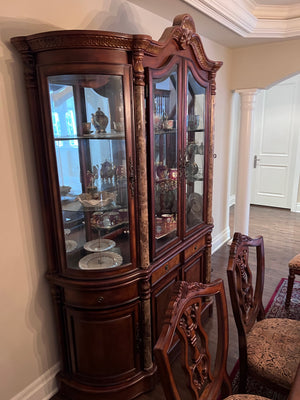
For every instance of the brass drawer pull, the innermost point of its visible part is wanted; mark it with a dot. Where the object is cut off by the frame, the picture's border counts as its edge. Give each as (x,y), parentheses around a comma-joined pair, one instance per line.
(166,267)
(100,299)
(195,247)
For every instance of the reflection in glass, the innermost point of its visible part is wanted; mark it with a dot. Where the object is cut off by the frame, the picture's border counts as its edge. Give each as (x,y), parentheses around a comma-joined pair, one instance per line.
(195,151)
(165,156)
(89,135)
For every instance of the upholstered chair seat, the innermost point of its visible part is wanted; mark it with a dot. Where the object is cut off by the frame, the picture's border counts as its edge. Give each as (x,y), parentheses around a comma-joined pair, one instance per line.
(270,345)
(294,263)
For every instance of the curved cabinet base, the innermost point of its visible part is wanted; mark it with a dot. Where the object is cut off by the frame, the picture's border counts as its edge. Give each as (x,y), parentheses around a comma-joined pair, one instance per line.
(141,383)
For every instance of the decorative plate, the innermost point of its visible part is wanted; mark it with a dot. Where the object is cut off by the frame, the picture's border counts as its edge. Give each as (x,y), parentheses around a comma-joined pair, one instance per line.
(70,245)
(105,259)
(99,245)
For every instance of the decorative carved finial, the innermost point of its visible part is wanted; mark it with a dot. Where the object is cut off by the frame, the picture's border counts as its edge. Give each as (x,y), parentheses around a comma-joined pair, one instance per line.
(187,30)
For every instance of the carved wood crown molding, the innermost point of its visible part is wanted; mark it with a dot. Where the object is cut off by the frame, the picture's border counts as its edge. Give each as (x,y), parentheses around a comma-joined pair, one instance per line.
(184,33)
(73,39)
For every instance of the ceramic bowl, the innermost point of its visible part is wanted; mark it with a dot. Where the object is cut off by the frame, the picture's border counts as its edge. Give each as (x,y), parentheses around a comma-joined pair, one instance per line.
(99,199)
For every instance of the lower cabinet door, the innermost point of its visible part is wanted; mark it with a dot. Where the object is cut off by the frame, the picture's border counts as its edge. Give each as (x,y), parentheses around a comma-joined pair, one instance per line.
(160,299)
(104,345)
(194,271)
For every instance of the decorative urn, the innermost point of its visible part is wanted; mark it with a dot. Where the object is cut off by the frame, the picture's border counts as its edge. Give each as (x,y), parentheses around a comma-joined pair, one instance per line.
(100,121)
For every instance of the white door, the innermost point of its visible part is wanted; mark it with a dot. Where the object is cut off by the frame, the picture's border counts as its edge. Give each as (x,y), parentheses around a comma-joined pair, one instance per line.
(275,145)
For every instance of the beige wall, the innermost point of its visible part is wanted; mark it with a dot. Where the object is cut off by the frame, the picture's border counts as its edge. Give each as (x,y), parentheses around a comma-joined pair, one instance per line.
(261,66)
(28,339)
(221,140)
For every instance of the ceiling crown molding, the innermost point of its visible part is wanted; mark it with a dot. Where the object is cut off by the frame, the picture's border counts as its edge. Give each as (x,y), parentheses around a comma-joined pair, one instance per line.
(250,20)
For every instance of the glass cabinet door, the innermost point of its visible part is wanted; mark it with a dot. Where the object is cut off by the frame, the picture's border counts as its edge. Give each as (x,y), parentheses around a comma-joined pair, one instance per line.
(165,169)
(89,137)
(195,152)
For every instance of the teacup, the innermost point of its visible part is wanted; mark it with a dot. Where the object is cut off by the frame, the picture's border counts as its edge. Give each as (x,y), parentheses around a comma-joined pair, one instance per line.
(123,212)
(86,128)
(173,173)
(118,126)
(167,218)
(170,124)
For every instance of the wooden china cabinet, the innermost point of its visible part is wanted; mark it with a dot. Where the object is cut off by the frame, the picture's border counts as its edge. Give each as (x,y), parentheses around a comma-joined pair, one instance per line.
(123,134)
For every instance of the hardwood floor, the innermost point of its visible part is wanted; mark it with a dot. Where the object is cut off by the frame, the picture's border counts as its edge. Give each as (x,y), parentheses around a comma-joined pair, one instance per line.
(281,231)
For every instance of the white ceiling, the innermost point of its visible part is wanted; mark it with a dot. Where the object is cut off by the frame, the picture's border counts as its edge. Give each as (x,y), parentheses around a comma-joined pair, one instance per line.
(235,23)
(254,19)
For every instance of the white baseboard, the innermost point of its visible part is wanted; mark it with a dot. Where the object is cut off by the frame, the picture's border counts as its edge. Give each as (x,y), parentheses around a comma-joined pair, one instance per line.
(43,388)
(297,207)
(231,200)
(220,239)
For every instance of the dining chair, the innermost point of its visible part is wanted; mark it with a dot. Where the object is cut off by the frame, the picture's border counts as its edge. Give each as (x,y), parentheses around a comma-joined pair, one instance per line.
(187,336)
(294,269)
(269,348)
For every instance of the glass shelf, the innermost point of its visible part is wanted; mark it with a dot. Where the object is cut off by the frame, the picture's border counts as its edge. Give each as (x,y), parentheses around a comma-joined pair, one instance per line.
(166,131)
(106,136)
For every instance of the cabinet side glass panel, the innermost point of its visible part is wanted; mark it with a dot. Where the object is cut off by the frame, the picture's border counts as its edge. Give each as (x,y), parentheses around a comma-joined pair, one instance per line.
(165,157)
(195,151)
(89,137)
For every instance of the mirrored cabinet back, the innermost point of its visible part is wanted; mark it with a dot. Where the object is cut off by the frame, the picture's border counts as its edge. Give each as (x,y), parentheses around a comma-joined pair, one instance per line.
(122,128)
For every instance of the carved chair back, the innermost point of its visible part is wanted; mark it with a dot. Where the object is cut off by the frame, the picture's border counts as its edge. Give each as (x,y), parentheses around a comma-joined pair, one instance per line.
(246,295)
(183,323)
(246,260)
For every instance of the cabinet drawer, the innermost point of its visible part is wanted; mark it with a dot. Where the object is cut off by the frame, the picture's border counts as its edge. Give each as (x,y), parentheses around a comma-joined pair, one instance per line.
(165,268)
(194,248)
(101,298)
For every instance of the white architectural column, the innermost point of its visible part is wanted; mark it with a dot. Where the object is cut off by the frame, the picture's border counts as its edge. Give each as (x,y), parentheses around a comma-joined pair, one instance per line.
(243,185)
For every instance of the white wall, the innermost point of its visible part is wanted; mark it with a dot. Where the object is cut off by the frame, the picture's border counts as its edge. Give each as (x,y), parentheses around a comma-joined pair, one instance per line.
(28,344)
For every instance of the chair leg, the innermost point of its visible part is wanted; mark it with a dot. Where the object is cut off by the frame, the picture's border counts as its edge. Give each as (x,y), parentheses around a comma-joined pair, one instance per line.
(289,288)
(243,377)
(226,388)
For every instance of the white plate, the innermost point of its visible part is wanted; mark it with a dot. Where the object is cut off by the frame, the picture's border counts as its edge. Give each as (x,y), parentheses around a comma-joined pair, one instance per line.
(99,245)
(70,245)
(105,259)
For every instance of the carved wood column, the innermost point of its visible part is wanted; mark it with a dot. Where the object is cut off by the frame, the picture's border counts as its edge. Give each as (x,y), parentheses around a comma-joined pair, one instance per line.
(243,186)
(212,76)
(141,156)
(140,137)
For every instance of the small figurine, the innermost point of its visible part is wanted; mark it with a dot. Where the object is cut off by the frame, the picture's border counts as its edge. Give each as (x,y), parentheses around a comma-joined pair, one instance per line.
(165,120)
(107,171)
(91,177)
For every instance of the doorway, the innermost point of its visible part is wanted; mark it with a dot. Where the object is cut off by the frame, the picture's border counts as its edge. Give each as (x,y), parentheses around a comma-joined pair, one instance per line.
(276,143)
